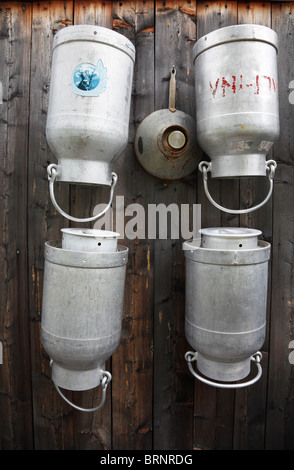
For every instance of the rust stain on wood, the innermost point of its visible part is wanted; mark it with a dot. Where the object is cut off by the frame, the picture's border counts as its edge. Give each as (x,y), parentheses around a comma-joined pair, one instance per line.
(148,259)
(120,24)
(149,29)
(188,11)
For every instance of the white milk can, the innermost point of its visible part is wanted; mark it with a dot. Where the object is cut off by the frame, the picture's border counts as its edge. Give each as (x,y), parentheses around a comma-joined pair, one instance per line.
(89,102)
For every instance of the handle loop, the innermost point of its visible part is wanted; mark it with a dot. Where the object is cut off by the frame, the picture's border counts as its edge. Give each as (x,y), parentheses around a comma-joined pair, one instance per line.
(192,356)
(104,383)
(52,173)
(271,166)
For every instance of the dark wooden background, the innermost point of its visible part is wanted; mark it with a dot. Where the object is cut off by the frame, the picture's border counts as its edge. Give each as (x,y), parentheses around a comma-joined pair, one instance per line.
(153,402)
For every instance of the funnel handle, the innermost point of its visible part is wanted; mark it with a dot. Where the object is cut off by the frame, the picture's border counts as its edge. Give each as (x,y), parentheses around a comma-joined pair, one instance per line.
(192,356)
(172,91)
(52,173)
(204,167)
(104,383)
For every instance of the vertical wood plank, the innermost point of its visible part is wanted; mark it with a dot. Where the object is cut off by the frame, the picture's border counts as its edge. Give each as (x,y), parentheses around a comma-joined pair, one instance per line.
(98,13)
(175,33)
(92,432)
(15,383)
(6,440)
(132,363)
(214,408)
(250,403)
(53,421)
(280,412)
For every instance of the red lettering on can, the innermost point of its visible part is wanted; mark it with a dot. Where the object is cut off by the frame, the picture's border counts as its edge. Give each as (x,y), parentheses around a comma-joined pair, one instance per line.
(257,85)
(224,85)
(269,81)
(236,85)
(213,90)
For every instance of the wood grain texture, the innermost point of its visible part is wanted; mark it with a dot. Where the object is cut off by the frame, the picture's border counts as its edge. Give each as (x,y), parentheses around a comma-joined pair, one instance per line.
(53,423)
(250,404)
(173,388)
(280,387)
(15,378)
(214,408)
(133,361)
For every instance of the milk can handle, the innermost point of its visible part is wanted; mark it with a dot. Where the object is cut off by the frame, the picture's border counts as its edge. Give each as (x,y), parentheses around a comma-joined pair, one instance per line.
(204,167)
(192,356)
(52,173)
(104,383)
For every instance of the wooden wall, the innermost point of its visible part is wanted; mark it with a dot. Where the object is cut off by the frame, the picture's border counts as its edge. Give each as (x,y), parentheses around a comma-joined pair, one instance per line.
(153,403)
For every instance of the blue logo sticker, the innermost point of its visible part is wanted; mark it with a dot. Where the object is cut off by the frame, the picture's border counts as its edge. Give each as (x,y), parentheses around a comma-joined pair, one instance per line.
(89,79)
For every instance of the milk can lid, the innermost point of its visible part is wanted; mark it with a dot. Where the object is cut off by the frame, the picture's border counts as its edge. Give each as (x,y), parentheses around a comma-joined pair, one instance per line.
(87,232)
(231,238)
(83,239)
(235,33)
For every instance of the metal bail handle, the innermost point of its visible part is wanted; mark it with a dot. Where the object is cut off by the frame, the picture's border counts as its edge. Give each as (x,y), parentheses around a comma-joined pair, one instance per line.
(192,356)
(52,173)
(271,166)
(104,383)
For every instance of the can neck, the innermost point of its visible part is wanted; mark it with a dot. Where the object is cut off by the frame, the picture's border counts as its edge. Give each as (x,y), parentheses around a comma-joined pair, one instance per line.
(229,238)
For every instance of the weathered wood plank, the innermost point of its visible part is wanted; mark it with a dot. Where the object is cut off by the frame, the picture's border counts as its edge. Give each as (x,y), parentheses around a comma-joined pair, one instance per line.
(6,423)
(92,431)
(53,421)
(16,401)
(175,34)
(132,363)
(212,428)
(250,403)
(280,412)
(98,13)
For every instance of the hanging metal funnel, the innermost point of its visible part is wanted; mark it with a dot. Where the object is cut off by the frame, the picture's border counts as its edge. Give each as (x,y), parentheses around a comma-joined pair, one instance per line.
(165,141)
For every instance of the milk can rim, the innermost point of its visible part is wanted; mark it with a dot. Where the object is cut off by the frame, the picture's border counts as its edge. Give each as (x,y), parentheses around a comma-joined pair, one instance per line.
(227,257)
(54,253)
(235,33)
(87,33)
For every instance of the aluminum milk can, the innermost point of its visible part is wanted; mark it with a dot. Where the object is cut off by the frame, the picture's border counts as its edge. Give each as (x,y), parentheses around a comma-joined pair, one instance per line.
(226,299)
(82,307)
(237,108)
(89,102)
